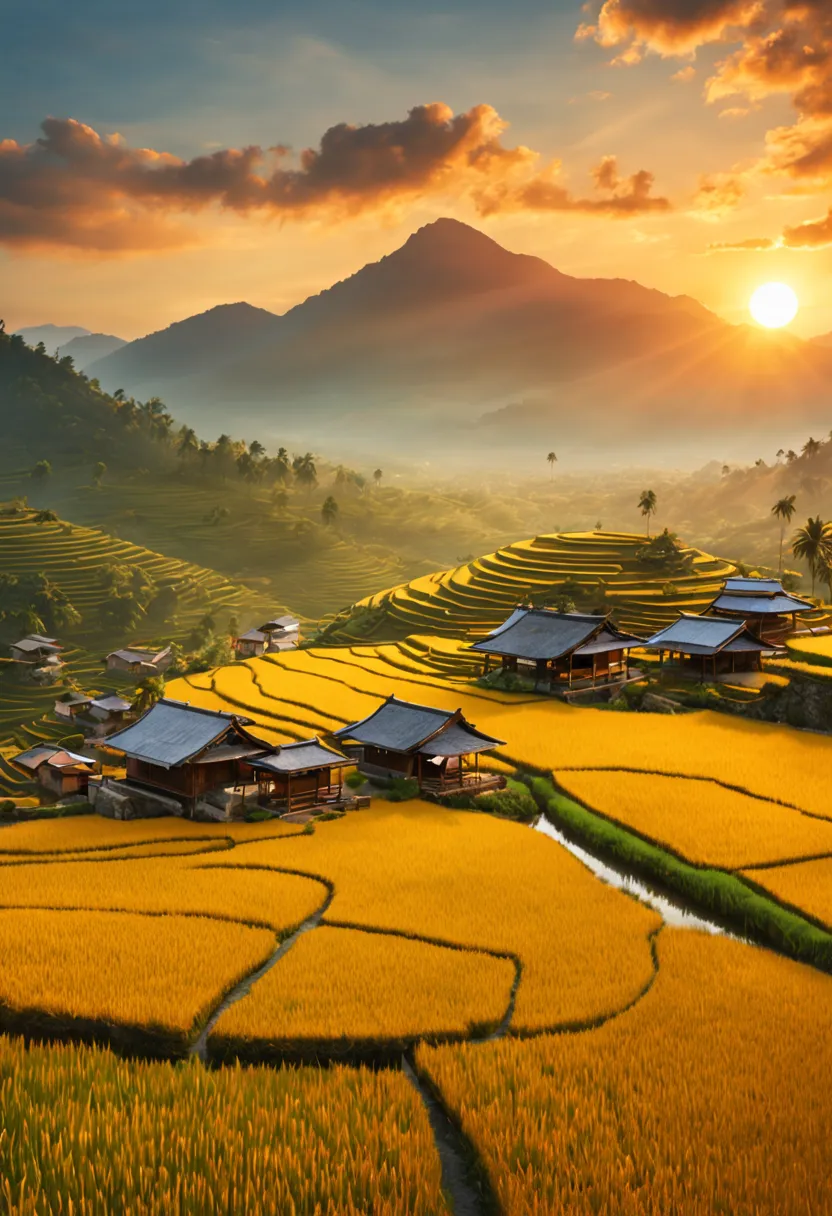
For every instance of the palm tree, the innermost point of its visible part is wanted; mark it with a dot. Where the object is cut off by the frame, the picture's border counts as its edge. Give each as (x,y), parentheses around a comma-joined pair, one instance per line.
(813,543)
(377,476)
(783,509)
(305,471)
(552,458)
(281,465)
(256,449)
(647,506)
(329,511)
(811,447)
(188,444)
(148,693)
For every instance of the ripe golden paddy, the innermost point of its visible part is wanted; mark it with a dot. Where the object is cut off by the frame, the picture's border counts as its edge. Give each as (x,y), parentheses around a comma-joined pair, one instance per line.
(710,1095)
(343,982)
(150,971)
(164,885)
(704,822)
(807,885)
(85,1132)
(93,833)
(482,882)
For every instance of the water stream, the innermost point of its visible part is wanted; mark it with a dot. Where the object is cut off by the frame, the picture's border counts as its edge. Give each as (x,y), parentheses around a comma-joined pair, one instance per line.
(672,910)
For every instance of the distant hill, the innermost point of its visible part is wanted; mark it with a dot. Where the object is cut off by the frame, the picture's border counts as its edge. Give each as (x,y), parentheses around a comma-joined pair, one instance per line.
(195,347)
(52,336)
(50,411)
(452,328)
(85,349)
(823,340)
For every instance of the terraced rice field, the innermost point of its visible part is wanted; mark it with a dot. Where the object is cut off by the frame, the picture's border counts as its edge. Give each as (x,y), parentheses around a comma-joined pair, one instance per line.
(474,598)
(74,558)
(806,885)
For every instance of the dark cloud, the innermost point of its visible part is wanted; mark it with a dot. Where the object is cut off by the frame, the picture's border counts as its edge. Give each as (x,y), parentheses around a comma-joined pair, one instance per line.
(73,187)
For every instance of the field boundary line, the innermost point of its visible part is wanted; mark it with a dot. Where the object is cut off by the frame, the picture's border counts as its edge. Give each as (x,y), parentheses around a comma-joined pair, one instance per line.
(656,772)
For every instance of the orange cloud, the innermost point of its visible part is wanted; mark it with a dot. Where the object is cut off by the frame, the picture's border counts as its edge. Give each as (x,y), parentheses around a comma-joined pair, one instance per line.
(669,27)
(615,196)
(75,188)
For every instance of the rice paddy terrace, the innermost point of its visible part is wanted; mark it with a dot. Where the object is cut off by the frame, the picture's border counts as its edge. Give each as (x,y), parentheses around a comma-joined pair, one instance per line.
(74,559)
(474,598)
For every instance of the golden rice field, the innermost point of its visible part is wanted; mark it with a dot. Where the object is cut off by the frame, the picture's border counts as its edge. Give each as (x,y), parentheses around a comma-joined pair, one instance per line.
(82,833)
(88,1133)
(705,823)
(699,1099)
(296,694)
(806,885)
(485,883)
(157,972)
(162,886)
(347,984)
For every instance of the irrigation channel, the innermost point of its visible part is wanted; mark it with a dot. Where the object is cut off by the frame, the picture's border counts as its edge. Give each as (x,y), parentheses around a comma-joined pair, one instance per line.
(673,911)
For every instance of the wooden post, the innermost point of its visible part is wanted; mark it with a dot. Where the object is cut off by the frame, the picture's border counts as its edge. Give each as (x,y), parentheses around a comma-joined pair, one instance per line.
(289,792)
(594,665)
(317,784)
(570,671)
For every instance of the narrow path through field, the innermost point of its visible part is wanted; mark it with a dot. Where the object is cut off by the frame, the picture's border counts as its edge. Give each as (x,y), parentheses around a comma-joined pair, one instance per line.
(200,1047)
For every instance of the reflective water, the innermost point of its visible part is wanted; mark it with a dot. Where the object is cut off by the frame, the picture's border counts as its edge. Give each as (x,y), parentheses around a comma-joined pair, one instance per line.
(673,911)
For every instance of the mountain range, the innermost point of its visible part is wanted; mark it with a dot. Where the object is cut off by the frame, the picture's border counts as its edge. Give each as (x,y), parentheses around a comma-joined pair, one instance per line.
(453,330)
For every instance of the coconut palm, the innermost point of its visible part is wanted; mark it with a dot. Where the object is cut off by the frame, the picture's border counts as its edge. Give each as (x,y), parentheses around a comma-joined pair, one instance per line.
(552,458)
(813,544)
(305,471)
(811,447)
(647,505)
(377,476)
(188,444)
(783,510)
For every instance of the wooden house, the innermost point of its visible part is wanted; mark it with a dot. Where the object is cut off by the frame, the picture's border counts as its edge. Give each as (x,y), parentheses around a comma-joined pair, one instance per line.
(185,751)
(708,646)
(59,771)
(283,633)
(769,611)
(139,662)
(36,650)
(435,747)
(72,705)
(110,711)
(562,649)
(301,776)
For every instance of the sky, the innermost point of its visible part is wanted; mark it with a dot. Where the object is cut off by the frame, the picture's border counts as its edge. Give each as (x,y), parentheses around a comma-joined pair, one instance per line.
(159,161)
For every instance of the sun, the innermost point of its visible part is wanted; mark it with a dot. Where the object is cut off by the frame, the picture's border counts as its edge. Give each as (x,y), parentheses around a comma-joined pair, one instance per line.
(774,305)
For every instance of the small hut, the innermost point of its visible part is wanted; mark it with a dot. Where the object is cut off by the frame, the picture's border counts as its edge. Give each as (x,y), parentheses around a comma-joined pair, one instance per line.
(59,771)
(564,649)
(139,662)
(36,649)
(282,633)
(109,712)
(437,748)
(185,751)
(708,646)
(72,705)
(301,776)
(762,603)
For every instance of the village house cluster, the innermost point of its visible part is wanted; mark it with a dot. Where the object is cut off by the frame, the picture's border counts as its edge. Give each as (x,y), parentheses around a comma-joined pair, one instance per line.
(183,759)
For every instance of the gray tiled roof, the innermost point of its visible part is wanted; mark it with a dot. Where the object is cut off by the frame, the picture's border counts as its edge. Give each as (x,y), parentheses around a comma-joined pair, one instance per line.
(301,757)
(541,633)
(767,605)
(112,704)
(34,646)
(754,586)
(172,733)
(704,635)
(459,739)
(34,757)
(402,726)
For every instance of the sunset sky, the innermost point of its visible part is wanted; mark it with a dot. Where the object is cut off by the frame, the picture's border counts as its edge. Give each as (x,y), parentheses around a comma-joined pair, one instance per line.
(684,143)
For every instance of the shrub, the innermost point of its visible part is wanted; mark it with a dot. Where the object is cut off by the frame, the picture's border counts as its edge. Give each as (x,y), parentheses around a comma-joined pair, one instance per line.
(515,802)
(355,780)
(402,789)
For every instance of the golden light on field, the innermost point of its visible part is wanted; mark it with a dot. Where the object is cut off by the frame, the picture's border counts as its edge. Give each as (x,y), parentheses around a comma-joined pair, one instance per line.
(774,305)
